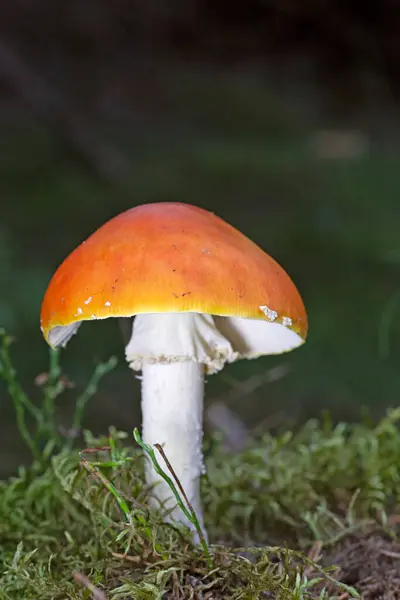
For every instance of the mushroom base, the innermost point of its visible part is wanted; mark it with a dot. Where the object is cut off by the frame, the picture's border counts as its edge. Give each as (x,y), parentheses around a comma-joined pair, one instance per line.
(172,409)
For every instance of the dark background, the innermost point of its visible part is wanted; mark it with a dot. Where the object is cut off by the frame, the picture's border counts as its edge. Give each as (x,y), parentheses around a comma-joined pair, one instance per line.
(282,117)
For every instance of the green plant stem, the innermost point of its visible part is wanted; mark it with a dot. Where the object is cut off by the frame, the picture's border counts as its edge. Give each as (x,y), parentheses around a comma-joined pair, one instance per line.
(20,400)
(91,388)
(49,389)
(97,474)
(45,426)
(188,512)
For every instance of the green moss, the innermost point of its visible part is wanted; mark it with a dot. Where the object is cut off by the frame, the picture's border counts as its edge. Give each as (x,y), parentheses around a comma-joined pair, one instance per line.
(74,519)
(61,520)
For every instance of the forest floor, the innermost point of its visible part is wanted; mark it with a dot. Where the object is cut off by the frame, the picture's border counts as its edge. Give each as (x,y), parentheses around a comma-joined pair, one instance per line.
(309,513)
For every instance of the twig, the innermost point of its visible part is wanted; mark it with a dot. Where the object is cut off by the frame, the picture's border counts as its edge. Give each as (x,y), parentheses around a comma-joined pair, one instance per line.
(250,385)
(186,499)
(270,422)
(390,554)
(313,555)
(174,475)
(220,417)
(91,388)
(134,559)
(85,581)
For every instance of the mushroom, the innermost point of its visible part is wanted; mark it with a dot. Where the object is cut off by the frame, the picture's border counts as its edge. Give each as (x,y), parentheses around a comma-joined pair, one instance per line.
(202,295)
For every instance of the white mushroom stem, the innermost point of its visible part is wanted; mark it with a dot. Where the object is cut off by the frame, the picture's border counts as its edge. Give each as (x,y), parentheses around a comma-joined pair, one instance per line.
(172,408)
(173,351)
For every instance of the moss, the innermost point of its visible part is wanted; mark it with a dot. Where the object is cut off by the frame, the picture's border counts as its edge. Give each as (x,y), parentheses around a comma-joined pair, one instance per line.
(76,524)
(60,520)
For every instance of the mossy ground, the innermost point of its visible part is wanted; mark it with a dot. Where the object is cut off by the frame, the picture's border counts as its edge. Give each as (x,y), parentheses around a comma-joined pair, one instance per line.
(279,514)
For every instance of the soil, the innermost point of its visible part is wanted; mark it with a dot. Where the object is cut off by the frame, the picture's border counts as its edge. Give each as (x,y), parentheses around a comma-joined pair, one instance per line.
(371,564)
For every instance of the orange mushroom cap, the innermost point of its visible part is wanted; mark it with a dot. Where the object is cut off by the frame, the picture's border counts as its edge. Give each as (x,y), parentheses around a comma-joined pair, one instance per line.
(169,257)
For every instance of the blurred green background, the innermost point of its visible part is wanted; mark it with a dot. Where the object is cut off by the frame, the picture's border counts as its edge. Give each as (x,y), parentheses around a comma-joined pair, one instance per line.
(282,119)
